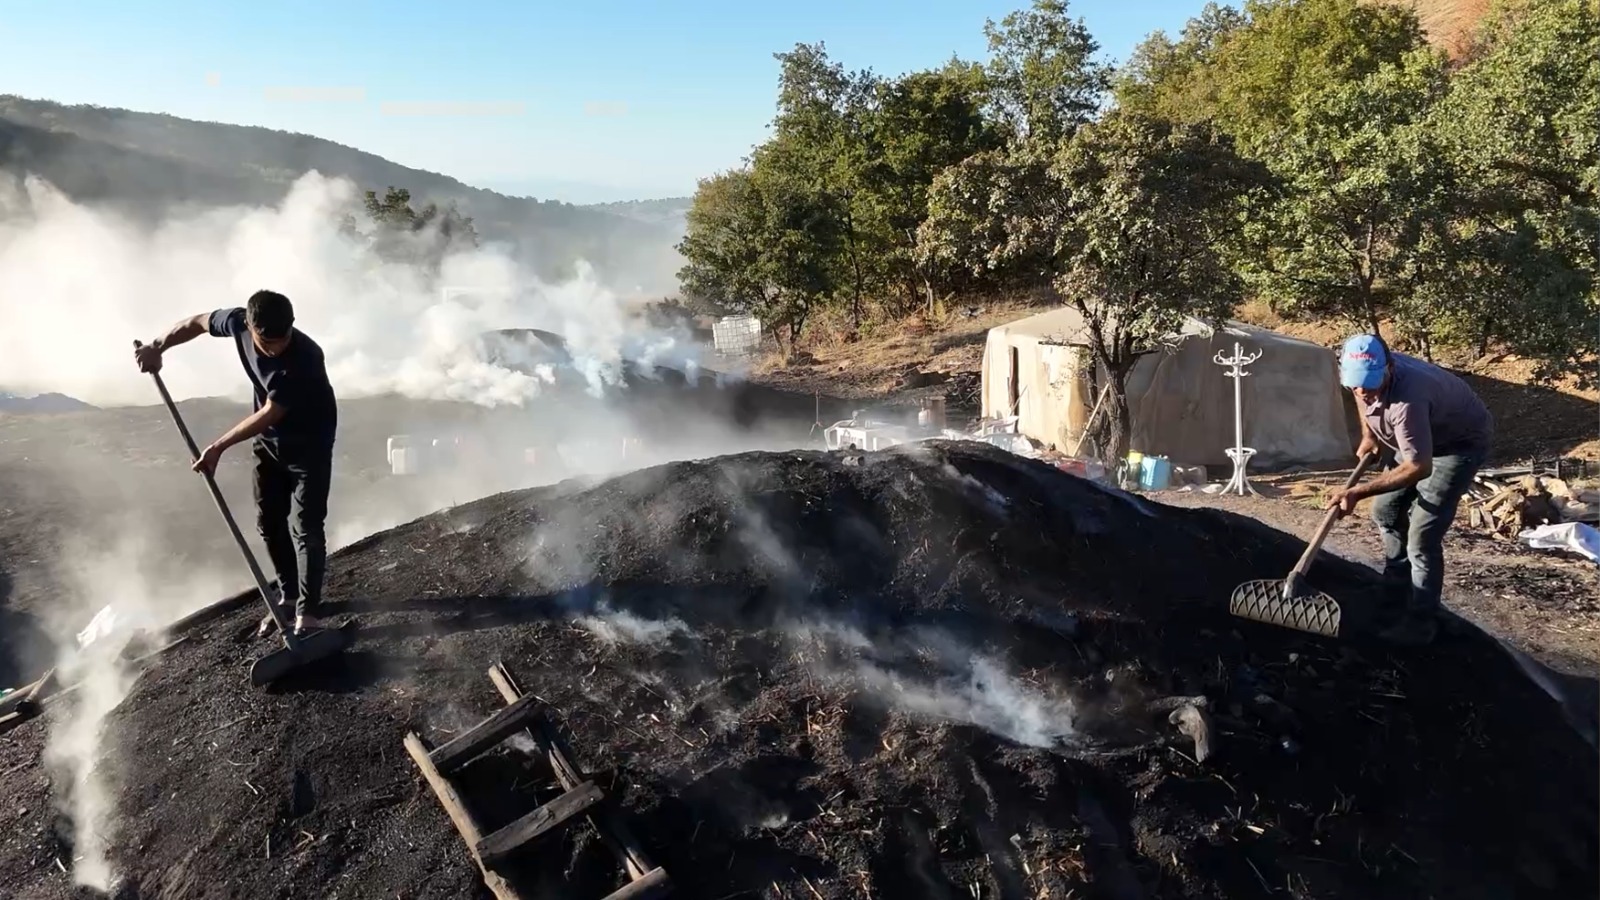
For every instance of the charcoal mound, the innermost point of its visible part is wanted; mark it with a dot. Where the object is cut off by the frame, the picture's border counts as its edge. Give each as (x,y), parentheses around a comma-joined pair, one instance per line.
(934,671)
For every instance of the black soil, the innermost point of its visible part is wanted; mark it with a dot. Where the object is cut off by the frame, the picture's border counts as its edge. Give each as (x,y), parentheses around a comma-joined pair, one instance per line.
(936,673)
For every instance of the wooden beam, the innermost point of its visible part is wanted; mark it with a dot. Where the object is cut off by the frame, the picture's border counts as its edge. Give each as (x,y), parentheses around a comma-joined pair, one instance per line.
(606,823)
(538,823)
(503,724)
(465,824)
(652,885)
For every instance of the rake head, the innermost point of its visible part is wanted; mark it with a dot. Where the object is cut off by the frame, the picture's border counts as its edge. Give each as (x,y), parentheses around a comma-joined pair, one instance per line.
(1265,601)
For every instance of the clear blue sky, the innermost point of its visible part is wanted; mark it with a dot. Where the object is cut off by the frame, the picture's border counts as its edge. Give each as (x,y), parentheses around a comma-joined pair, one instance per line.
(581,101)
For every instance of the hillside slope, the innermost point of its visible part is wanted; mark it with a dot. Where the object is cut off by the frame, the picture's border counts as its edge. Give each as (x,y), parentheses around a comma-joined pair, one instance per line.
(1449,24)
(145,163)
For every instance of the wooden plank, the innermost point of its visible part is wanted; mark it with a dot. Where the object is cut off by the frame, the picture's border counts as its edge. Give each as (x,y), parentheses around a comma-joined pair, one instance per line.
(453,807)
(503,724)
(541,821)
(654,884)
(606,823)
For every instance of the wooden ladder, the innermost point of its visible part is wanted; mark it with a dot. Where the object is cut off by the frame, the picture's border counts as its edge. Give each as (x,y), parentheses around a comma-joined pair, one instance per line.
(524,713)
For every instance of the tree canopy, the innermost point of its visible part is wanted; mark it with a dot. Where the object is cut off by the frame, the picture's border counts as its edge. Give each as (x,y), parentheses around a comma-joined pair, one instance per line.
(1315,154)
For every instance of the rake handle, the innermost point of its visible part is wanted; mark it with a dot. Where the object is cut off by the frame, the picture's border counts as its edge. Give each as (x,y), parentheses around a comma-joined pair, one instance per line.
(1301,567)
(227,515)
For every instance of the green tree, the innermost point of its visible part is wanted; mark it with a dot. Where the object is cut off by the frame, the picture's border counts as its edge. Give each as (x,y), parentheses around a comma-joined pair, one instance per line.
(981,213)
(400,233)
(1294,50)
(820,144)
(1179,80)
(1044,81)
(1132,221)
(761,243)
(1521,123)
(726,228)
(1363,188)
(923,123)
(1139,239)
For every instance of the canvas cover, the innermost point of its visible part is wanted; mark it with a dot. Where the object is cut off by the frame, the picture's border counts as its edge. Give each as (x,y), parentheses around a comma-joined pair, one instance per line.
(1179,398)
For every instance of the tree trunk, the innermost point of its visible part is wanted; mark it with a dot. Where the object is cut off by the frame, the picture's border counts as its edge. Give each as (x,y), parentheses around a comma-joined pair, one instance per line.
(1485,329)
(1110,435)
(855,262)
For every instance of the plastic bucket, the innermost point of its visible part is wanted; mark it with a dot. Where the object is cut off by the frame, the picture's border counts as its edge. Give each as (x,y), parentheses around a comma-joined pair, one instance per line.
(1155,473)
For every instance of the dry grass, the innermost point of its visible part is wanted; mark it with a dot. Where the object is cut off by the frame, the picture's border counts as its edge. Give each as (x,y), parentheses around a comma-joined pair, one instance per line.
(1449,24)
(836,360)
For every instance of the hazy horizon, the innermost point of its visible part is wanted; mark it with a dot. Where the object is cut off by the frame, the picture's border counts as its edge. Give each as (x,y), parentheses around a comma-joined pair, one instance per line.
(582,105)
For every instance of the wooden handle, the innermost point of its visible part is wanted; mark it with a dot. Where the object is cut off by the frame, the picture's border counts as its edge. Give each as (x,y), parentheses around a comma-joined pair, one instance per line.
(1328,520)
(227,515)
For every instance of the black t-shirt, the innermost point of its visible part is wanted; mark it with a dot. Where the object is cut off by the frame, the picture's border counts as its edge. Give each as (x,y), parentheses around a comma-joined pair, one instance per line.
(297,379)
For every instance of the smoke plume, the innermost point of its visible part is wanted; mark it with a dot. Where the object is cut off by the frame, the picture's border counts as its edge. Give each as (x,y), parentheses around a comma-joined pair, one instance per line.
(115,601)
(78,284)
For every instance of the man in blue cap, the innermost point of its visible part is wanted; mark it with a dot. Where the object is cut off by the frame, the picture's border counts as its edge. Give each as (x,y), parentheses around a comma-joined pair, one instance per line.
(1436,433)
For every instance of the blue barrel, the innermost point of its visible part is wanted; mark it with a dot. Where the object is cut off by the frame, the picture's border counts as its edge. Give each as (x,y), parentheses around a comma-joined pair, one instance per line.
(1155,473)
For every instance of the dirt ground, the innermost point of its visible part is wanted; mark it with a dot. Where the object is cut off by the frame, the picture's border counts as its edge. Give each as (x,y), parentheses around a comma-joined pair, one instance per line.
(937,672)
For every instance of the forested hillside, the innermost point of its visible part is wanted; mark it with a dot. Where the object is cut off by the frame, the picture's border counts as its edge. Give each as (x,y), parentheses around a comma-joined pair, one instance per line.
(145,163)
(1319,157)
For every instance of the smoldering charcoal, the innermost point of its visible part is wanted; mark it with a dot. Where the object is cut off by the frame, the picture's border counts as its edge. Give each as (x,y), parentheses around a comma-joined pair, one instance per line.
(799,678)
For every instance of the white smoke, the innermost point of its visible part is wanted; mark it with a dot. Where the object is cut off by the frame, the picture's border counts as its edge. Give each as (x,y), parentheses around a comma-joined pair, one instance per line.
(79,284)
(935,674)
(115,601)
(619,626)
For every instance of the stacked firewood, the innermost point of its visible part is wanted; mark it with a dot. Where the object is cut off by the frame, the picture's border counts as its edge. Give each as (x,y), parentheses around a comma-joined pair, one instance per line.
(1505,508)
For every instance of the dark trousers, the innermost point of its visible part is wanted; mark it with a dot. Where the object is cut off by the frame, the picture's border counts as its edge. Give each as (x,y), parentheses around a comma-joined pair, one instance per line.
(1413,522)
(294,481)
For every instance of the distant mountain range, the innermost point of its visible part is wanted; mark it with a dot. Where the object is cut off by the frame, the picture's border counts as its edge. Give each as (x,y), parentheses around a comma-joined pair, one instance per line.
(144,164)
(42,403)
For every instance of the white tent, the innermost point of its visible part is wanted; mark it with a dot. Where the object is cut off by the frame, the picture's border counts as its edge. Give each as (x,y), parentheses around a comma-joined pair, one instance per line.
(1180,402)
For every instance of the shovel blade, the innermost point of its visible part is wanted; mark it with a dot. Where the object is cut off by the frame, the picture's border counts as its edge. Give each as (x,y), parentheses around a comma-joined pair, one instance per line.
(1265,601)
(310,648)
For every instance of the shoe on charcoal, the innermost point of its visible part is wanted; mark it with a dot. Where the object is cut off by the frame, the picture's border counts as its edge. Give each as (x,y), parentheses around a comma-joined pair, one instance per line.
(306,622)
(269,624)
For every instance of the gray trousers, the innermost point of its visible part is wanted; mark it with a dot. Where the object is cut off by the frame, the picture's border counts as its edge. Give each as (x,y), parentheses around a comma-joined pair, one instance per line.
(1413,522)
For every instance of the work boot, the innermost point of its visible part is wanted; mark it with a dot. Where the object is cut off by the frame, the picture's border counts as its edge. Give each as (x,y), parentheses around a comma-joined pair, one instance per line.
(305,622)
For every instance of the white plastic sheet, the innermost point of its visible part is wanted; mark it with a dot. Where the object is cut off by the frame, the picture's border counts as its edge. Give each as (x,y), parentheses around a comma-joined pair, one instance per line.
(1577,537)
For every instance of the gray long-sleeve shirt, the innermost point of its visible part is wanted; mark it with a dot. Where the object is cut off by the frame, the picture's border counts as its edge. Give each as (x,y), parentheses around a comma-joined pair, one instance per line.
(1427,411)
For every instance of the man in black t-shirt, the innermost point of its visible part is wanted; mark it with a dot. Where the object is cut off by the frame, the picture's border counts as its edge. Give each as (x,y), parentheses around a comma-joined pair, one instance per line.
(291,432)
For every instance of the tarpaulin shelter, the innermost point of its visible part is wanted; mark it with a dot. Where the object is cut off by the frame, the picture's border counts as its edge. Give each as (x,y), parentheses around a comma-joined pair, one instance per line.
(1040,370)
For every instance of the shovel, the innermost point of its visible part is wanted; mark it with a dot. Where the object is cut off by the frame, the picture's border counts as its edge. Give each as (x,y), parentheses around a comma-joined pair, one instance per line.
(299,650)
(1289,602)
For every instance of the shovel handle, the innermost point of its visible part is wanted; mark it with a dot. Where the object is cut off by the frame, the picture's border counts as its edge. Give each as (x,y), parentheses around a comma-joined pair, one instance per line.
(1321,535)
(227,515)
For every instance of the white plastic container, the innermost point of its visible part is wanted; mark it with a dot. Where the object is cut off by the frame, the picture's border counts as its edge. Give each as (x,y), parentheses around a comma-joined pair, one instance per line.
(403,461)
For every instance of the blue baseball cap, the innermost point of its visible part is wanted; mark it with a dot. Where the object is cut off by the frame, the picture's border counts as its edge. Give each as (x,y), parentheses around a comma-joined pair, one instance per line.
(1361,362)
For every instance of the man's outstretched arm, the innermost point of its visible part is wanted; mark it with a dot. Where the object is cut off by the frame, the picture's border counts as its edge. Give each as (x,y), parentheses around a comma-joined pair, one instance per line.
(250,426)
(149,356)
